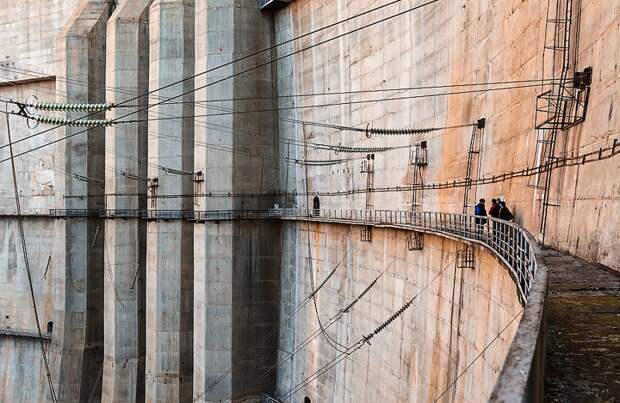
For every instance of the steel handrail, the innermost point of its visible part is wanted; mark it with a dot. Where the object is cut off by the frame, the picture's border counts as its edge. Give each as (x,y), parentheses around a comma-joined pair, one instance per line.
(508,241)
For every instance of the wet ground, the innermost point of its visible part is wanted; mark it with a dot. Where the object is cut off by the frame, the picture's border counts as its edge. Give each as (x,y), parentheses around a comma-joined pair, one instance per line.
(583,332)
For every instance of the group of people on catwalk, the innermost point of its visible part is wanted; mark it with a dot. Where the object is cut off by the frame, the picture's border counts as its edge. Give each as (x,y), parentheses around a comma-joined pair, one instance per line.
(498,209)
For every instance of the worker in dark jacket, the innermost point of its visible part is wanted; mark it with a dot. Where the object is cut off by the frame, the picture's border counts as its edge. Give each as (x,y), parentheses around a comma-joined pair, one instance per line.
(480,211)
(494,210)
(504,212)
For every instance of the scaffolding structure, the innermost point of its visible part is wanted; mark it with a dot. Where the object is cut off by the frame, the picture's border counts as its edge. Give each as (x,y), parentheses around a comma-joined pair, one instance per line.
(474,162)
(564,104)
(368,168)
(418,159)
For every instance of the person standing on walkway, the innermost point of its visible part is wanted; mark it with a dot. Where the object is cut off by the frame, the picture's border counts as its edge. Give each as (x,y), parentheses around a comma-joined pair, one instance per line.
(494,210)
(480,211)
(504,212)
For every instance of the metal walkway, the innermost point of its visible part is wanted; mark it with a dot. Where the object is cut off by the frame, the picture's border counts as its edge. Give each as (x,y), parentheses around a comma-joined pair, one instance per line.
(507,241)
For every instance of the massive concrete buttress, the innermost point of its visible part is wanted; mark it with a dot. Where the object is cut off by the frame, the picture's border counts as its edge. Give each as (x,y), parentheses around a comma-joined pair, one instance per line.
(237,264)
(125,242)
(169,289)
(77,263)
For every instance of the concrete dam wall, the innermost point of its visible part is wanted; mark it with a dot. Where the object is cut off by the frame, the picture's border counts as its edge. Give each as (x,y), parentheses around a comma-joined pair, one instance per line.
(457,311)
(168,261)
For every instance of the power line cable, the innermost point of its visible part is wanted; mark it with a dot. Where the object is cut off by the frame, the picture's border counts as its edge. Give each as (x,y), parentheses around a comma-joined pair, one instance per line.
(478,356)
(255,67)
(304,95)
(275,330)
(383,132)
(363,340)
(334,319)
(20,224)
(559,162)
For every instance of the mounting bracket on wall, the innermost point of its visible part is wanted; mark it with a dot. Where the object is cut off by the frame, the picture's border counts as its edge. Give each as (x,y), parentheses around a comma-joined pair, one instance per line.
(415,241)
(366,234)
(151,188)
(465,258)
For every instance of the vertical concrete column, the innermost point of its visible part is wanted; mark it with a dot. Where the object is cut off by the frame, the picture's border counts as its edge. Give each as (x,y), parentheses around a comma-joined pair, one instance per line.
(77,347)
(125,242)
(170,248)
(236,263)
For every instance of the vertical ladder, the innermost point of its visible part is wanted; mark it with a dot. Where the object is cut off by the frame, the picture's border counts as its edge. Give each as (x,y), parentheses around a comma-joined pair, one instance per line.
(557,102)
(473,163)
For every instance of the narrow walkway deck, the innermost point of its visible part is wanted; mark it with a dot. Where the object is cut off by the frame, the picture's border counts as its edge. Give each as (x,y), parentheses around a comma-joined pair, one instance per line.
(583,339)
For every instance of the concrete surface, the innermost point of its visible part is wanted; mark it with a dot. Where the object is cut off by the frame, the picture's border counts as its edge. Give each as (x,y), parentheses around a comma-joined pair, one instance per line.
(125,244)
(583,343)
(246,272)
(452,320)
(170,248)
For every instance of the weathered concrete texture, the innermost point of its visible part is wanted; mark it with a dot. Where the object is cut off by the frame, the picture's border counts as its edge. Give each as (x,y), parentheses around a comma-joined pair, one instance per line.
(235,308)
(170,248)
(583,343)
(457,314)
(77,348)
(457,43)
(21,370)
(236,264)
(125,243)
(28,35)
(21,375)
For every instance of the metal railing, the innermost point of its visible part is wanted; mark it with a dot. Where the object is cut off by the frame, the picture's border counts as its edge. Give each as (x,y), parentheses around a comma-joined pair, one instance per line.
(508,241)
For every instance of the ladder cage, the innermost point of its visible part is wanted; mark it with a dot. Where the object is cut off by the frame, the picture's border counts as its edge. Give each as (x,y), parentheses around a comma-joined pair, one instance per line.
(366,234)
(415,241)
(465,258)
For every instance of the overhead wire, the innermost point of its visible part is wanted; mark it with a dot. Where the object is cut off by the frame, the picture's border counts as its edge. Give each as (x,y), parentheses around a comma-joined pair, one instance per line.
(480,354)
(301,95)
(559,162)
(275,330)
(20,224)
(364,340)
(331,321)
(243,71)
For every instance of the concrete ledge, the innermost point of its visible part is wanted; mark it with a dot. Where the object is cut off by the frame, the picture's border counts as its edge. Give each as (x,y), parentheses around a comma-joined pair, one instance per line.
(522,376)
(28,334)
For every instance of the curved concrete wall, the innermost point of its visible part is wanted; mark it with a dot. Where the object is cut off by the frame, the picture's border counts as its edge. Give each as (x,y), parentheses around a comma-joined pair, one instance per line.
(450,43)
(419,355)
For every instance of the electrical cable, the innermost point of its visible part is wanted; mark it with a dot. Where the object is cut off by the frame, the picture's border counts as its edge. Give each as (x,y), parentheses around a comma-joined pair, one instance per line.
(365,339)
(327,337)
(387,131)
(304,95)
(289,317)
(20,223)
(334,319)
(559,162)
(478,356)
(255,67)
